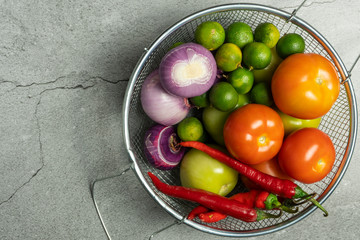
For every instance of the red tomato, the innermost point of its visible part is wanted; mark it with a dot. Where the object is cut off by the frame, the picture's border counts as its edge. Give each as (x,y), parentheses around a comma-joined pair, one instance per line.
(272,168)
(253,133)
(305,85)
(307,155)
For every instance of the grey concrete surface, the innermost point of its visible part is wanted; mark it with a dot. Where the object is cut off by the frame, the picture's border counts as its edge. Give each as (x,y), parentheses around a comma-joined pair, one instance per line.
(64,68)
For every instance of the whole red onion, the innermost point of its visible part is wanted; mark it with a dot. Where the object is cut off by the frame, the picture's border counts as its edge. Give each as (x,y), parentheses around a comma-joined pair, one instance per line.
(161,106)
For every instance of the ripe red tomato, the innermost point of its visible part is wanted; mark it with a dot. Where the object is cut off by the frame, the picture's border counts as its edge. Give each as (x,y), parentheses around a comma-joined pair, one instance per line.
(305,86)
(307,155)
(272,168)
(253,133)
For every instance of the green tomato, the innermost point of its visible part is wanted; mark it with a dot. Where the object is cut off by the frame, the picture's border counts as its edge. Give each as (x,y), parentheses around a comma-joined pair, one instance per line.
(265,75)
(291,124)
(214,119)
(199,170)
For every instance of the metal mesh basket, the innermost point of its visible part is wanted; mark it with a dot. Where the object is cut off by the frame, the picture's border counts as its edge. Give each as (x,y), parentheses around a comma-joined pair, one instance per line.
(340,123)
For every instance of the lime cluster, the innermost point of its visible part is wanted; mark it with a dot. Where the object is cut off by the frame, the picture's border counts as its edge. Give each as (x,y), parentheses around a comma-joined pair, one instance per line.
(246,59)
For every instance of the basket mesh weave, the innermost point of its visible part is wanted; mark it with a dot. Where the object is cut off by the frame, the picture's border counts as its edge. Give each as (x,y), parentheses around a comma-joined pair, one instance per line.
(336,123)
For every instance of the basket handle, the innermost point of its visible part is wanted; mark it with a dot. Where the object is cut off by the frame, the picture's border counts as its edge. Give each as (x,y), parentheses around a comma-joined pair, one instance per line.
(92,192)
(295,11)
(351,68)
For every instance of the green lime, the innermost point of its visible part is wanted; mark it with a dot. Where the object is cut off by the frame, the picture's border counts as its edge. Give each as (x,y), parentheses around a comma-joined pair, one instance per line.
(175,45)
(243,100)
(210,34)
(265,74)
(200,101)
(261,94)
(257,55)
(242,80)
(239,33)
(289,44)
(228,57)
(190,129)
(223,96)
(267,33)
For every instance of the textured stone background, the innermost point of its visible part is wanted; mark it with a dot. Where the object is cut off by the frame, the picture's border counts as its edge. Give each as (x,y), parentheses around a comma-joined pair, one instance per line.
(64,68)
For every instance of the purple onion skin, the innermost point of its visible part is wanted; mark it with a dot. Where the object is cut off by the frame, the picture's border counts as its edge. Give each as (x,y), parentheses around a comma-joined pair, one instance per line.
(183,54)
(159,105)
(161,147)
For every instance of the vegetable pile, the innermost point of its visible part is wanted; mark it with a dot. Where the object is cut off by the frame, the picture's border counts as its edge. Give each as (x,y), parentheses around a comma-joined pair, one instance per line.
(240,104)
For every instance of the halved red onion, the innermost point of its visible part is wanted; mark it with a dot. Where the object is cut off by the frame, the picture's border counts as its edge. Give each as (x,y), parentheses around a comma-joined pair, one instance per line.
(162,148)
(161,106)
(188,70)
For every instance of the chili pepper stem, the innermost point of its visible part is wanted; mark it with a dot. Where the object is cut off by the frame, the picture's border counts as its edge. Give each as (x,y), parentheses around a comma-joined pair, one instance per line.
(296,202)
(276,204)
(303,199)
(272,202)
(316,203)
(299,193)
(289,210)
(264,215)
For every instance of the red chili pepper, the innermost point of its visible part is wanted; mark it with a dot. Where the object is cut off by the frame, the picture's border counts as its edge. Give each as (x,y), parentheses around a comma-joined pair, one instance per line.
(249,184)
(196,212)
(252,199)
(213,216)
(282,187)
(260,201)
(248,198)
(287,205)
(212,201)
